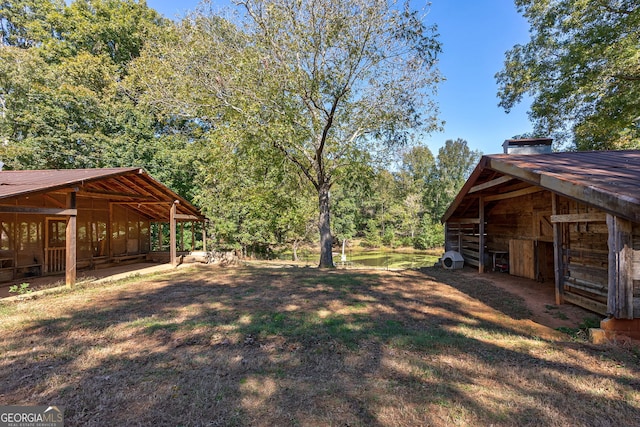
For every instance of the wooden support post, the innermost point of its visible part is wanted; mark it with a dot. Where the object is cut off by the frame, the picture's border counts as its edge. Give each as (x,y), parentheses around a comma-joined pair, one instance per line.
(71,245)
(193,236)
(204,236)
(447,245)
(620,291)
(481,242)
(558,259)
(110,230)
(172,233)
(159,227)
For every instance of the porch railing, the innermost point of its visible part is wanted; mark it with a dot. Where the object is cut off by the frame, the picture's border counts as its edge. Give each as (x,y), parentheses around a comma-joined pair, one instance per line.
(55,259)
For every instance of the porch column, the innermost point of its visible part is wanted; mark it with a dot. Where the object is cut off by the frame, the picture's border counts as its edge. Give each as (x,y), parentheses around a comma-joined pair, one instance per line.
(620,293)
(71,246)
(159,228)
(557,252)
(481,242)
(193,236)
(172,233)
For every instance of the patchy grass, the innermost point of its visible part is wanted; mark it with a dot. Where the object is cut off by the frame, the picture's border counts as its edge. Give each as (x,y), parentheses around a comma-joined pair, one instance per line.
(265,346)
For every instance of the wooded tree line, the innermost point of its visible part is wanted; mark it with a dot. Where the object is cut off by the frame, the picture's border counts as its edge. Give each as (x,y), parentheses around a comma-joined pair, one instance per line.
(263,116)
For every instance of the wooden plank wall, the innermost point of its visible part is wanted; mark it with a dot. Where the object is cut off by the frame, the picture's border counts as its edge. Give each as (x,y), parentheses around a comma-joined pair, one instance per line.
(521,218)
(586,252)
(636,270)
(522,258)
(464,237)
(526,222)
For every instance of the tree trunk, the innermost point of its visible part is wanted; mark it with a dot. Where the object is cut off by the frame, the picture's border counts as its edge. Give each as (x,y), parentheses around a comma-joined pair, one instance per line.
(295,249)
(344,255)
(324,226)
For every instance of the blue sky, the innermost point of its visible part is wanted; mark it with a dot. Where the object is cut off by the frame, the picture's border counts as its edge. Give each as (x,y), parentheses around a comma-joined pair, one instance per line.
(475,35)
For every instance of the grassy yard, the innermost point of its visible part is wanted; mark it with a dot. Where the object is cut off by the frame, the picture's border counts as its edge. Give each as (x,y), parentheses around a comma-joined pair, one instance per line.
(297,346)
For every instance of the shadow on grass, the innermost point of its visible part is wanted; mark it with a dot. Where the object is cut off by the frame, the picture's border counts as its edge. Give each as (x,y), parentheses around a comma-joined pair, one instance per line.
(302,347)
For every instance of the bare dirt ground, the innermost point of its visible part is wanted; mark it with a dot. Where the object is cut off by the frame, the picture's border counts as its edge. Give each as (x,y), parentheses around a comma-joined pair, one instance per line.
(293,346)
(539,299)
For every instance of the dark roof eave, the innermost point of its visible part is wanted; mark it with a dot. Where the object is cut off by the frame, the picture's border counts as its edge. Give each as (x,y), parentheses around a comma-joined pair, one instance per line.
(465,188)
(625,206)
(85,176)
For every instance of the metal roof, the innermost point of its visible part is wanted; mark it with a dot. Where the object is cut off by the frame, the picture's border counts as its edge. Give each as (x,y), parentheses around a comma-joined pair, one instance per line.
(133,187)
(608,180)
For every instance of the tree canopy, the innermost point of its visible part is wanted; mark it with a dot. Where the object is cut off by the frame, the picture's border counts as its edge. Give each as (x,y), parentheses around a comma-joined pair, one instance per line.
(317,82)
(260,117)
(60,68)
(582,68)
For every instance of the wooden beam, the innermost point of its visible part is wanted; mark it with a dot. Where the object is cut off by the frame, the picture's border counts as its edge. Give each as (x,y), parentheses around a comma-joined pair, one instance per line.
(38,211)
(183,217)
(464,220)
(490,184)
(636,266)
(172,233)
(193,236)
(512,194)
(558,260)
(620,297)
(55,201)
(71,242)
(481,266)
(143,203)
(98,194)
(585,302)
(583,217)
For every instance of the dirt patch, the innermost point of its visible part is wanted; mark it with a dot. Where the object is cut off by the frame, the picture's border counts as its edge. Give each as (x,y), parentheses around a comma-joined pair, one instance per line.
(298,346)
(539,299)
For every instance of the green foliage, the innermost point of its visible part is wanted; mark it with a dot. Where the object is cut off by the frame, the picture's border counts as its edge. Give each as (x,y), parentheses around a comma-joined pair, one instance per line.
(581,66)
(454,165)
(372,238)
(430,235)
(61,105)
(22,289)
(254,198)
(318,83)
(254,120)
(404,207)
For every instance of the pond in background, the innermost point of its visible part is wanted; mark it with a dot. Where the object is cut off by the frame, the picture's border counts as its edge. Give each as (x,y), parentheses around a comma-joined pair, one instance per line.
(372,258)
(388,259)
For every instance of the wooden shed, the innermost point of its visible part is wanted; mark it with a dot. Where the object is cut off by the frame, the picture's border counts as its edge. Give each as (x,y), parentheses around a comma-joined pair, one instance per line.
(572,218)
(55,221)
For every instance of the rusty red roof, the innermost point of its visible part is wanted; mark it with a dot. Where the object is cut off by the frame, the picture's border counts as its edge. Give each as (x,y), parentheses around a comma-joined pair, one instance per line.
(608,180)
(133,186)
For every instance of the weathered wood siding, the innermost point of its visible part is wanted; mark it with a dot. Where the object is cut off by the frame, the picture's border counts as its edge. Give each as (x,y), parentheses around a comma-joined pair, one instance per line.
(103,230)
(520,218)
(522,260)
(636,270)
(585,253)
(464,237)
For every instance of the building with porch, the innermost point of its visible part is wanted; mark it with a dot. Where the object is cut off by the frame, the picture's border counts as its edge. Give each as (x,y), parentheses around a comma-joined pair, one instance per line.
(58,221)
(572,218)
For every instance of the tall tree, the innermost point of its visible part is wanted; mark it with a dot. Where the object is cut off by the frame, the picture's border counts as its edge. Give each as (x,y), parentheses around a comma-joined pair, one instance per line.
(255,200)
(454,164)
(28,23)
(60,67)
(317,81)
(582,67)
